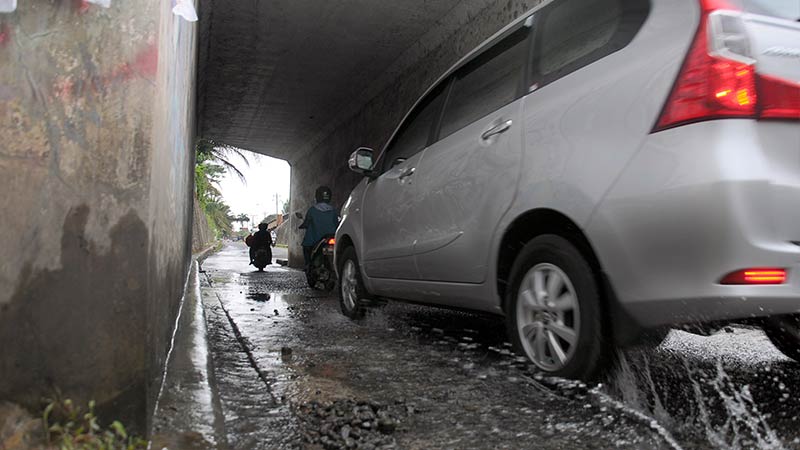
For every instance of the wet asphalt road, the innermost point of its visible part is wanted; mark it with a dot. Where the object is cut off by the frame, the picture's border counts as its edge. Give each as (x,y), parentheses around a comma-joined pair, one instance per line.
(291,372)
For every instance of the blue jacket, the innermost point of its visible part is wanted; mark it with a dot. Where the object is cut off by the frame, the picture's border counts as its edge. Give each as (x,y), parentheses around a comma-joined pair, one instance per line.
(321,219)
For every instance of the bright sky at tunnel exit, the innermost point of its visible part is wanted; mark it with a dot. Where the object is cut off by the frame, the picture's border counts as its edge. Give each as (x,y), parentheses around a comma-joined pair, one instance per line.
(265,178)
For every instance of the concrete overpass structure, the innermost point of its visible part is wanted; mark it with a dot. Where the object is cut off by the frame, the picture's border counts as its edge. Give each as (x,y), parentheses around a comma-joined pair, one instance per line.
(99,110)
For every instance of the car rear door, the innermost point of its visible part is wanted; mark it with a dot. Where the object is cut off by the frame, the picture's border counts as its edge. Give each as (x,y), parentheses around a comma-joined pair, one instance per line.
(467,179)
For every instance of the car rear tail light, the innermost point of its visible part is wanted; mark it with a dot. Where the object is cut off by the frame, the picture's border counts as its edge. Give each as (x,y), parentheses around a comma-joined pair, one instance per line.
(718,78)
(779,99)
(755,276)
(332,241)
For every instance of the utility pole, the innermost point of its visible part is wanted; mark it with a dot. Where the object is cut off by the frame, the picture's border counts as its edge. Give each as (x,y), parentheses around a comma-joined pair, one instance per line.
(277,211)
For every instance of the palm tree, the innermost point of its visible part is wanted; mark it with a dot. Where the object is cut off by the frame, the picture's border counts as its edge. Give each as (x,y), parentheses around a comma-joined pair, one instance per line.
(216,152)
(219,215)
(212,161)
(241,218)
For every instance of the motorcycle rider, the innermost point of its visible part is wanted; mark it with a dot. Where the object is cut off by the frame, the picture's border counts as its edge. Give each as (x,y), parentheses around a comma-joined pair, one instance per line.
(261,239)
(320,220)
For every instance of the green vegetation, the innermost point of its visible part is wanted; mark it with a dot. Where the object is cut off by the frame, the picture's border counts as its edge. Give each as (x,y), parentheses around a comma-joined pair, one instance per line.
(212,161)
(67,427)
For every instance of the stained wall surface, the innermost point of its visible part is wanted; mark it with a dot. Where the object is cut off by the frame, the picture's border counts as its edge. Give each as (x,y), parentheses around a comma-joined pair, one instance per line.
(96,124)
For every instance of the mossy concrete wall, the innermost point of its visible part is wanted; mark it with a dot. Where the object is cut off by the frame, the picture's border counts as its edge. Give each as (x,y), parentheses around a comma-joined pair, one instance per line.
(97,127)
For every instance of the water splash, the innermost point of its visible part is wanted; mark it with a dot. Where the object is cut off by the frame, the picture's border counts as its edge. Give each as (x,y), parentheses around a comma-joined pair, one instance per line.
(742,419)
(712,406)
(638,415)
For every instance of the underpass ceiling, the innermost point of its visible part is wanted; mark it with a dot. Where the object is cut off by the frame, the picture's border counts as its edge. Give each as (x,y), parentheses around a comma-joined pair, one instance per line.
(275,74)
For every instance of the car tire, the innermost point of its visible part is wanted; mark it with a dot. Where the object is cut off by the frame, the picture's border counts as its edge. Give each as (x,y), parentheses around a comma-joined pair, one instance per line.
(352,294)
(554,312)
(784,333)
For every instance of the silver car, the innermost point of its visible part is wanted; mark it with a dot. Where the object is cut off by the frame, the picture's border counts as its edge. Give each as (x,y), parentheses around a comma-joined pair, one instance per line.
(597,171)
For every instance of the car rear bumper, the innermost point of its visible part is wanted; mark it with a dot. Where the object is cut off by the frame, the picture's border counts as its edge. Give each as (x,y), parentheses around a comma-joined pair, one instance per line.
(698,202)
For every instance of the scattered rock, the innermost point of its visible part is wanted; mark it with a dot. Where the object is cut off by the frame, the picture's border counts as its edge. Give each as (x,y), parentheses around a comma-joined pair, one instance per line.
(347,423)
(387,426)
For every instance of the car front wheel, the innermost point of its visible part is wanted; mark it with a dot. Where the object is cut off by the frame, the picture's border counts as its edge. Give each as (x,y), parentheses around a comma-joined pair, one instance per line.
(352,293)
(554,316)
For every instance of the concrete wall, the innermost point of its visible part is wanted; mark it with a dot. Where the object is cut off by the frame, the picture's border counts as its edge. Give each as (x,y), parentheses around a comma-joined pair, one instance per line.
(370,119)
(97,125)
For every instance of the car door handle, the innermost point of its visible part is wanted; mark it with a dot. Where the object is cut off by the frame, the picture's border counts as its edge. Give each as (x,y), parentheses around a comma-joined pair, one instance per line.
(497,129)
(406,173)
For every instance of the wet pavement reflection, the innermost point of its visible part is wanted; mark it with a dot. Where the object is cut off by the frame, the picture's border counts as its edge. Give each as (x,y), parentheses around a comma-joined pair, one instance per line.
(292,372)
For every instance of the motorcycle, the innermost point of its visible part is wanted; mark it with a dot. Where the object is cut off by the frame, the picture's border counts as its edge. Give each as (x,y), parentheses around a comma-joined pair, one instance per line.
(320,273)
(263,258)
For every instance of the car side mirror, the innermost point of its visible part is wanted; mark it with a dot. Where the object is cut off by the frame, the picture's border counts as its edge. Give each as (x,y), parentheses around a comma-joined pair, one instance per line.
(361,161)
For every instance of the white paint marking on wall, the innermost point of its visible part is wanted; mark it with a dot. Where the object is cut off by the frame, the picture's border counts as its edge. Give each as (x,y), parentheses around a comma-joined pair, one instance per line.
(8,6)
(185,9)
(103,3)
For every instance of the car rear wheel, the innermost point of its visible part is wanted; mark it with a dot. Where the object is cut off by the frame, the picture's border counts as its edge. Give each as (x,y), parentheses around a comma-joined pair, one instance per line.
(784,332)
(352,293)
(553,309)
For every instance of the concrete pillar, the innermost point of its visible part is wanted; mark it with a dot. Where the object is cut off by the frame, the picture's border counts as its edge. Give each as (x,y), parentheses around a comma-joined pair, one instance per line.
(97,125)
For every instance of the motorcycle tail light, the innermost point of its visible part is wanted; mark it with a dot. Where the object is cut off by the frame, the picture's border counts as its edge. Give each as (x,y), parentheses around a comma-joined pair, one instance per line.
(332,241)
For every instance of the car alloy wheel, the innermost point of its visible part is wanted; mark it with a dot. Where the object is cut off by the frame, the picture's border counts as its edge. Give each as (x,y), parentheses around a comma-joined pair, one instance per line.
(554,310)
(349,285)
(353,296)
(548,317)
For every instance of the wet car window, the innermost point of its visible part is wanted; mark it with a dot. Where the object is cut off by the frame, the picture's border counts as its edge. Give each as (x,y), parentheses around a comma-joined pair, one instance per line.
(574,29)
(486,84)
(575,33)
(413,135)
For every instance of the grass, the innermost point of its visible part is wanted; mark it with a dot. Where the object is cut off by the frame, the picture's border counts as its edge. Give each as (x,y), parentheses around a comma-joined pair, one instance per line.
(69,427)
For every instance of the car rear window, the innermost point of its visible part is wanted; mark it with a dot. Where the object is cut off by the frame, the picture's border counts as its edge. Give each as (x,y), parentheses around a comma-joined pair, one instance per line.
(785,9)
(574,29)
(576,33)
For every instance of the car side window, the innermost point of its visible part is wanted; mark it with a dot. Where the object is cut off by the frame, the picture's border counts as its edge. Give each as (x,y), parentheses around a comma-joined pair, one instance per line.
(413,135)
(487,83)
(576,33)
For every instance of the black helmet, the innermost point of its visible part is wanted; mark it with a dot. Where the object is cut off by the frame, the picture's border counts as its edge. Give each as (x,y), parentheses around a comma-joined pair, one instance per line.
(262,226)
(323,194)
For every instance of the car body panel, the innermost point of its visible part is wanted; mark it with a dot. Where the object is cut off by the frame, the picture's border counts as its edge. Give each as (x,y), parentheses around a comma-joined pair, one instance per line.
(698,202)
(464,186)
(667,213)
(775,45)
(388,208)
